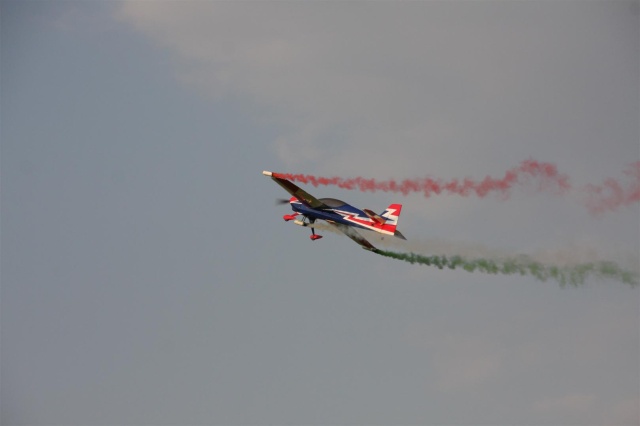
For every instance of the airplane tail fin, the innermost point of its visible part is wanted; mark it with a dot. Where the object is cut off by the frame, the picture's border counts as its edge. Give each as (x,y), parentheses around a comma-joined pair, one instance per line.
(391,216)
(388,221)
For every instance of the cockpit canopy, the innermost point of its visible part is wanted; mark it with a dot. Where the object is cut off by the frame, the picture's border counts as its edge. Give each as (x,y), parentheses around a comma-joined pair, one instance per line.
(332,202)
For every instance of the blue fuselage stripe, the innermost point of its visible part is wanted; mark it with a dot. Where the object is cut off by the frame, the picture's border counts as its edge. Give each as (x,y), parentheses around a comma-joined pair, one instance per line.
(330,215)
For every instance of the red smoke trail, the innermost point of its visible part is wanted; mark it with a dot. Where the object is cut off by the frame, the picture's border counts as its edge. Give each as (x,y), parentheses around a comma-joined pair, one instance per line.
(608,196)
(545,173)
(611,194)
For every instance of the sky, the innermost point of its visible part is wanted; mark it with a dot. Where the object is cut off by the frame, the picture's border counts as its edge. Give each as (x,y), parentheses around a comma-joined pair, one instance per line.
(148,278)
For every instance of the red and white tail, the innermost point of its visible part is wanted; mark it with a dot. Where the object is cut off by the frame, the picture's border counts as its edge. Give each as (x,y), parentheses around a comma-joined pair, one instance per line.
(392,214)
(388,221)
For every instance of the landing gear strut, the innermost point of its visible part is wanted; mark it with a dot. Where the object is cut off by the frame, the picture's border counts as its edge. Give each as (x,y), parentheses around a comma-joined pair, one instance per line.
(313,235)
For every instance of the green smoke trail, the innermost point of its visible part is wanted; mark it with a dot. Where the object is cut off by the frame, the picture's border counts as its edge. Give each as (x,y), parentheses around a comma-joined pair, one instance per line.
(574,275)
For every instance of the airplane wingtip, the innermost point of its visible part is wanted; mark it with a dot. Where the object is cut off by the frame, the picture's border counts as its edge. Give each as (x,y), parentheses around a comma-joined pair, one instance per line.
(266,173)
(399,235)
(373,249)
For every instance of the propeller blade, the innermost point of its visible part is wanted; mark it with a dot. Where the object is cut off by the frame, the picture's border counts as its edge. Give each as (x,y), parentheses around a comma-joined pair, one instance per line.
(280,201)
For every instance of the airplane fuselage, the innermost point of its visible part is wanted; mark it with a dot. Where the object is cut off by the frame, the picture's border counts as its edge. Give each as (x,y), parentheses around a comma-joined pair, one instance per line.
(339,212)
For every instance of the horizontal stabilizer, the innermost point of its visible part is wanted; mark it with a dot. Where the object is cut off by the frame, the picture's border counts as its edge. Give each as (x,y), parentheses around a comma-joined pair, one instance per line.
(378,219)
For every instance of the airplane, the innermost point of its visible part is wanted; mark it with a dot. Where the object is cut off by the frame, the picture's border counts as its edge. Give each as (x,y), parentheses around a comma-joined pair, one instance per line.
(339,214)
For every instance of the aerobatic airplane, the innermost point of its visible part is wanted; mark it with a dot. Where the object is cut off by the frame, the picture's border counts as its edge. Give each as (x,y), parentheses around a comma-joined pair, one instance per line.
(338,213)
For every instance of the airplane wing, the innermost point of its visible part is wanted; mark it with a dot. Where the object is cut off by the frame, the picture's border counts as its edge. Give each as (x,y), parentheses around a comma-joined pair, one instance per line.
(355,236)
(303,196)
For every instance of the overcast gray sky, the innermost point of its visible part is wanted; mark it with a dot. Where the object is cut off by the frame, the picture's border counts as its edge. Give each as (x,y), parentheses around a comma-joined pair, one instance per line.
(148,278)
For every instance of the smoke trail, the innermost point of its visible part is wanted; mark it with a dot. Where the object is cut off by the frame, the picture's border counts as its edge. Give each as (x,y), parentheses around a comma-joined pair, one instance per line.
(436,245)
(611,194)
(608,196)
(569,265)
(574,275)
(572,253)
(547,175)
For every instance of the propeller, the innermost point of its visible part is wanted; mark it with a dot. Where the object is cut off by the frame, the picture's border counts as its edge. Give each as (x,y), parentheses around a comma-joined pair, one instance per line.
(280,201)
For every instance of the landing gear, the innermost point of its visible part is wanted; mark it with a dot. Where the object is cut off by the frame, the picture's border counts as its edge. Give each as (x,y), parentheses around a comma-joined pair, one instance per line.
(313,235)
